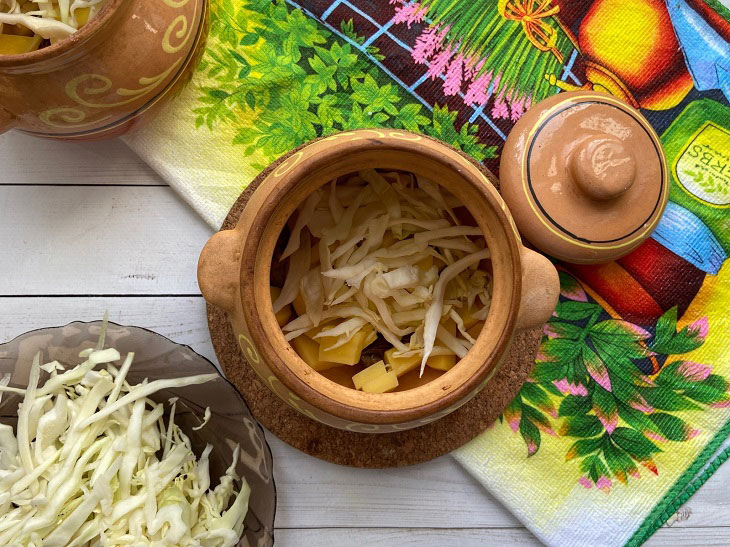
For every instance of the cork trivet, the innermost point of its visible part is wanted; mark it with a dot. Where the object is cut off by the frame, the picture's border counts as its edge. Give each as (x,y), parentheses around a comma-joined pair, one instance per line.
(361,449)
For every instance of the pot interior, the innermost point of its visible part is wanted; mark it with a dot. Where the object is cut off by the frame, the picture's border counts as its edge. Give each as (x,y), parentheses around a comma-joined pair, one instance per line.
(481,208)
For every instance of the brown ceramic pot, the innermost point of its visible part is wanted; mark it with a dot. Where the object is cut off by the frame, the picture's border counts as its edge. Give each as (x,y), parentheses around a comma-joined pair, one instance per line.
(235,267)
(107,77)
(585,177)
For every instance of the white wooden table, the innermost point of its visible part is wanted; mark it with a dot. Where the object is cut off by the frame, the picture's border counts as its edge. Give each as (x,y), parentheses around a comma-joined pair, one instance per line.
(89,228)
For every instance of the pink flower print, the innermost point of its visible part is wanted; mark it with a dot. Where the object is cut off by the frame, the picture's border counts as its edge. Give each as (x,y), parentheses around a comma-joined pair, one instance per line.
(477,90)
(546,429)
(585,482)
(635,473)
(721,404)
(452,84)
(609,422)
(654,436)
(425,45)
(500,110)
(513,415)
(528,104)
(531,447)
(548,331)
(692,433)
(637,402)
(694,372)
(517,108)
(472,68)
(566,387)
(391,2)
(409,14)
(439,62)
(604,483)
(699,328)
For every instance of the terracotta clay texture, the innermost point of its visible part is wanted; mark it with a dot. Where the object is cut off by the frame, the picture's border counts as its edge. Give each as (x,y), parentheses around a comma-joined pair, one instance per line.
(234,272)
(584,176)
(109,76)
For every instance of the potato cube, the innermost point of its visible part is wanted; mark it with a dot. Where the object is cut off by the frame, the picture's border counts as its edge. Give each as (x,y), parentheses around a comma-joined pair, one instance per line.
(402,365)
(82,16)
(370,373)
(13,45)
(283,315)
(381,384)
(441,362)
(308,350)
(348,353)
(467,316)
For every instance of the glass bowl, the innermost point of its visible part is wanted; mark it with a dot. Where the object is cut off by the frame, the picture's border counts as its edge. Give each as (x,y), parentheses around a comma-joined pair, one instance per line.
(157,357)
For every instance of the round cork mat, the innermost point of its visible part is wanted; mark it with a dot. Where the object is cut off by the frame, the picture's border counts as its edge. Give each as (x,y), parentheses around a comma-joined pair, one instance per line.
(379,450)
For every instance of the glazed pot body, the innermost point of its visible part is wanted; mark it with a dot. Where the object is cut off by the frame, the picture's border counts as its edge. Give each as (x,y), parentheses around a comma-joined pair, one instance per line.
(109,76)
(235,266)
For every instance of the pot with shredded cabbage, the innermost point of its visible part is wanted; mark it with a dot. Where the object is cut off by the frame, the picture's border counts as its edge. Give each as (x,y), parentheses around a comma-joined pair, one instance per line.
(28,25)
(384,273)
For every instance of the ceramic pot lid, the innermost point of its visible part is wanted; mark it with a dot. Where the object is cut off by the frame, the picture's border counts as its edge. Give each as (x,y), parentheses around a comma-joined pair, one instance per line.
(584,176)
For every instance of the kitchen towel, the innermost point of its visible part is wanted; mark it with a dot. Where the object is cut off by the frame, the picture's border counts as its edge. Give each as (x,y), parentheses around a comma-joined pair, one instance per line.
(627,412)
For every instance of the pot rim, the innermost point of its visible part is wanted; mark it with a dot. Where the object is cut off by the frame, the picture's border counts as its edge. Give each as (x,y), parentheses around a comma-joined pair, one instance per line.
(304,174)
(55,50)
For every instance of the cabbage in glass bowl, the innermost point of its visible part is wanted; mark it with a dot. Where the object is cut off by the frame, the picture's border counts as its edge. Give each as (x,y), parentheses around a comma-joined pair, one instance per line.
(33,452)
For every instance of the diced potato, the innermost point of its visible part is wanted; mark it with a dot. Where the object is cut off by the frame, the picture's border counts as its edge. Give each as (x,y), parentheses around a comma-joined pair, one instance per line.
(401,365)
(82,16)
(14,45)
(370,373)
(299,305)
(349,353)
(308,350)
(441,362)
(475,329)
(283,315)
(468,318)
(381,384)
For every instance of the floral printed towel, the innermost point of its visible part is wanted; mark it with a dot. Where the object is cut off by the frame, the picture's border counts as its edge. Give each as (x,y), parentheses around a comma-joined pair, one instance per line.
(627,411)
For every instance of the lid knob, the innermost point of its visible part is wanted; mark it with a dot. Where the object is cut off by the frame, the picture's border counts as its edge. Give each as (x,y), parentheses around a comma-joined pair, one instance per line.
(603,167)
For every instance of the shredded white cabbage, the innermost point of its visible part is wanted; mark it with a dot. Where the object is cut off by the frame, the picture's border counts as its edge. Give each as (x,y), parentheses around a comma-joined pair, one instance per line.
(392,253)
(49,19)
(92,462)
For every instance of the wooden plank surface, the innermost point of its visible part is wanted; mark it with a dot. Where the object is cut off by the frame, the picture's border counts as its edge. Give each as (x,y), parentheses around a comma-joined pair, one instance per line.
(27,160)
(98,240)
(507,537)
(80,220)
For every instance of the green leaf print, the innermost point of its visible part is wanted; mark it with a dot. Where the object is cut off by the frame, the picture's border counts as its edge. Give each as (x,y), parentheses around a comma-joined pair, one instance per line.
(281,79)
(617,388)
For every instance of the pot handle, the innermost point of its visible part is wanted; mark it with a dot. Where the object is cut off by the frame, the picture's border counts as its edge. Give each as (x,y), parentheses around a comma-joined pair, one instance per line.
(540,290)
(218,269)
(7,120)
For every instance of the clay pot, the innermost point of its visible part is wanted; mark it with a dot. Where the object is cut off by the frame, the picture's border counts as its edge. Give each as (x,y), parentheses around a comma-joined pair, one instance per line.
(584,176)
(107,77)
(235,266)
